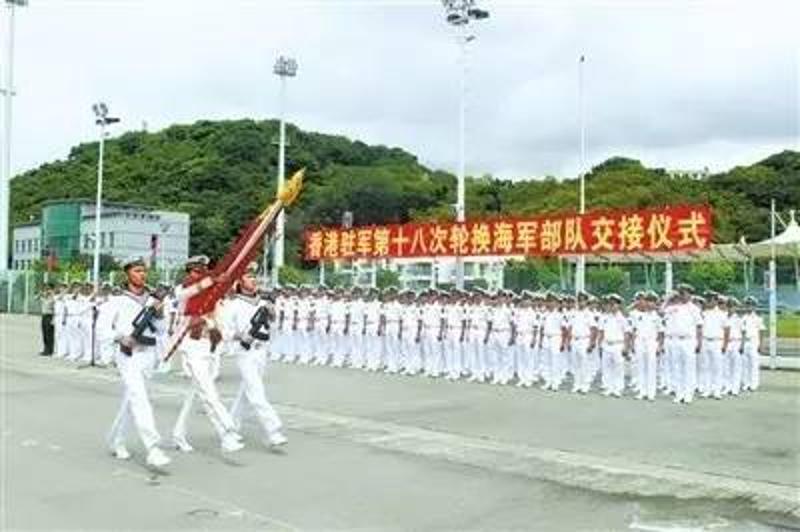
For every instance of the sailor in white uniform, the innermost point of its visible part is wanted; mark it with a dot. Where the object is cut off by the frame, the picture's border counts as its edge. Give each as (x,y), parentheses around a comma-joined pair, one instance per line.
(135,359)
(247,327)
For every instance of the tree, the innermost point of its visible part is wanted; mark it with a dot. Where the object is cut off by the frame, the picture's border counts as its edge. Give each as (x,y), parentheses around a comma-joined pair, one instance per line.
(291,275)
(387,279)
(605,280)
(531,274)
(716,276)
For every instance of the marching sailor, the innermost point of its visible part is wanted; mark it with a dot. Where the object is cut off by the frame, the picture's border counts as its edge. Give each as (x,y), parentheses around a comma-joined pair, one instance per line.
(201,362)
(135,357)
(247,327)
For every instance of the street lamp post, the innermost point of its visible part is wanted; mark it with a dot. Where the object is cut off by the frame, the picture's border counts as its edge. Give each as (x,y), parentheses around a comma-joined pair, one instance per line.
(459,13)
(8,94)
(103,120)
(285,67)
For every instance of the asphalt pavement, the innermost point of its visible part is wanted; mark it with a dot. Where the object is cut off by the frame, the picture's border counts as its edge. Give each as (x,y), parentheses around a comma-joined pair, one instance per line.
(383,452)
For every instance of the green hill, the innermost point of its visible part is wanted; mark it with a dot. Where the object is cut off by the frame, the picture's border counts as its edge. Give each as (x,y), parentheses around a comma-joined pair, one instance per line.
(222,173)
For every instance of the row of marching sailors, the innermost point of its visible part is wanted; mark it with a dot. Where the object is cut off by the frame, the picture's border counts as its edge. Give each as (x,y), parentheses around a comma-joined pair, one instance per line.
(674,344)
(137,353)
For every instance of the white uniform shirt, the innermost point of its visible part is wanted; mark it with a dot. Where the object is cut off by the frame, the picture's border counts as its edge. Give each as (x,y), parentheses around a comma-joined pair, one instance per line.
(527,323)
(393,312)
(752,325)
(552,322)
(685,319)
(614,327)
(236,322)
(501,318)
(452,316)
(432,319)
(714,323)
(123,309)
(646,325)
(581,322)
(336,315)
(734,324)
(372,315)
(476,314)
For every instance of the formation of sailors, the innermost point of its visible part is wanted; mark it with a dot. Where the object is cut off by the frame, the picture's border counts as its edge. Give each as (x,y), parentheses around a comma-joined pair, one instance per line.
(681,345)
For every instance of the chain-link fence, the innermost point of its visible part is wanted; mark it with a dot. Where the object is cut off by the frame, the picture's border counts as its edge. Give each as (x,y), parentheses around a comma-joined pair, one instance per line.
(21,290)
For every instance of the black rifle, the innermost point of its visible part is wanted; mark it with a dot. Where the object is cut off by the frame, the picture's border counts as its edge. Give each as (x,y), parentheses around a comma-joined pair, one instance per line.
(142,323)
(259,327)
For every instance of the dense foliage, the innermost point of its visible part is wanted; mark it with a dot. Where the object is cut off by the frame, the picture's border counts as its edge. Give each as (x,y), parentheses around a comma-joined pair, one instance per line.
(222,173)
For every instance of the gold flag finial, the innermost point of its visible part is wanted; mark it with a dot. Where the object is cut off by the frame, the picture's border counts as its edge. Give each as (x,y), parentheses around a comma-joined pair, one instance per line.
(291,189)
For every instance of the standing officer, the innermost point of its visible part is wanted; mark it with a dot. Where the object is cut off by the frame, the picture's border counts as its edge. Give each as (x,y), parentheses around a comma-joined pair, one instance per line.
(613,329)
(648,341)
(48,309)
(581,329)
(753,328)
(688,342)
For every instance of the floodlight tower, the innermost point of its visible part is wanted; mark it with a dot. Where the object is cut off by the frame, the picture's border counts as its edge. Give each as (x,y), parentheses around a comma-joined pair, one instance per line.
(5,171)
(102,120)
(459,13)
(285,67)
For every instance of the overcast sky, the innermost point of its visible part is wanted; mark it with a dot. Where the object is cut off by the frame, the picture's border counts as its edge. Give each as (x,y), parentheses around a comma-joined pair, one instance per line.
(674,83)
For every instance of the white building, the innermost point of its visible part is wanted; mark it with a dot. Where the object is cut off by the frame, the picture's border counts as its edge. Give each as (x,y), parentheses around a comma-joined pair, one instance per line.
(66,230)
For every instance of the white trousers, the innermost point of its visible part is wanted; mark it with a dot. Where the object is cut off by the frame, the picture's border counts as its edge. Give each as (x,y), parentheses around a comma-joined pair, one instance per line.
(647,366)
(613,368)
(392,350)
(474,356)
(59,338)
(134,371)
(750,363)
(432,356)
(339,348)
(252,366)
(551,353)
(374,350)
(414,355)
(734,380)
(203,367)
(451,347)
(686,358)
(674,369)
(75,339)
(526,361)
(503,357)
(582,373)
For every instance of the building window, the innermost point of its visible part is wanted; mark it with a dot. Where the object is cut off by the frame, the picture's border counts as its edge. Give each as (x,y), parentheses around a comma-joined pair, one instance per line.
(86,241)
(111,239)
(102,240)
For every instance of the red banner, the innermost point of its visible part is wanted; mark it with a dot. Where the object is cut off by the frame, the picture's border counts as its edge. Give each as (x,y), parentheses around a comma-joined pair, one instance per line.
(675,228)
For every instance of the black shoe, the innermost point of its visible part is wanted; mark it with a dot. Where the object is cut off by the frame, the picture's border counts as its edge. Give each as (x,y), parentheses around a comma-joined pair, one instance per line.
(44,354)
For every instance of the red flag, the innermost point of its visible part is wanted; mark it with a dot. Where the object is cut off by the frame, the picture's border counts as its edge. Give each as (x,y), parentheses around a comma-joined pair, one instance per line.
(243,251)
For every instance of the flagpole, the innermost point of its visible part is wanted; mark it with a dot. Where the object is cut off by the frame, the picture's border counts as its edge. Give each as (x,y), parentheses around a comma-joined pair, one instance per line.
(580,271)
